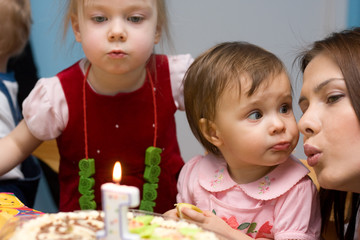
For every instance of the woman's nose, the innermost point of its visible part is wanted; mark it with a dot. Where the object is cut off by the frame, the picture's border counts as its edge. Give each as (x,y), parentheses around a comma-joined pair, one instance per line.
(308,123)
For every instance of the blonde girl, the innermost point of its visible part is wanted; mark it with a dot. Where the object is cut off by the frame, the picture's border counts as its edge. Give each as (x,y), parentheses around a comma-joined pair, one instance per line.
(110,106)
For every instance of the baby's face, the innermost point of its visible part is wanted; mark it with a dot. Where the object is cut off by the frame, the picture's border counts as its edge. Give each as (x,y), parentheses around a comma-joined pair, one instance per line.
(257,130)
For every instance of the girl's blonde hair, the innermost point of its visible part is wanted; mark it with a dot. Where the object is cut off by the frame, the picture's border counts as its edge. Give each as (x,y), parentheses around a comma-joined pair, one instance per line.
(15,18)
(76,7)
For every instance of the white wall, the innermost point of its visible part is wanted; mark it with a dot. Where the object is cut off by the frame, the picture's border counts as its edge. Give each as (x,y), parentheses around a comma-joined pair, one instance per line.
(281,26)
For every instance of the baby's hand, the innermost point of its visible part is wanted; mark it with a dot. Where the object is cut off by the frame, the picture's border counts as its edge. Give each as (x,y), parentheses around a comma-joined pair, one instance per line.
(211,222)
(180,206)
(194,215)
(171,214)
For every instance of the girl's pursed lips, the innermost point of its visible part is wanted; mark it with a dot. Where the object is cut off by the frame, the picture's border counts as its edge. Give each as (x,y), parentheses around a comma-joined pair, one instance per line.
(281,146)
(117,54)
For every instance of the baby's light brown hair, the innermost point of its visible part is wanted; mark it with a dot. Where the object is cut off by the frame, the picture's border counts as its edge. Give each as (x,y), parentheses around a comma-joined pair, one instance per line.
(216,71)
(15,18)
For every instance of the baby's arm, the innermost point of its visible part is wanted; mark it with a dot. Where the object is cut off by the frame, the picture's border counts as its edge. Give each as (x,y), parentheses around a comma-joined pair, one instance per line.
(185,185)
(298,212)
(16,147)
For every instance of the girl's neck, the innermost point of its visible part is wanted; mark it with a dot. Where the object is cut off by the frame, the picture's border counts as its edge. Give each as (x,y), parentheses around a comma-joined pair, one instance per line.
(244,175)
(110,84)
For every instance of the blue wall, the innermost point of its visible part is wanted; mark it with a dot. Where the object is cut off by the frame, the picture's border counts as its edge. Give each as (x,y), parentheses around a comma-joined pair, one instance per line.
(353,18)
(51,52)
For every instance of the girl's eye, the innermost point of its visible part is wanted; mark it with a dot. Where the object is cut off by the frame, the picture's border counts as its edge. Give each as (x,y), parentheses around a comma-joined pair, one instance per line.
(99,19)
(255,116)
(135,19)
(334,98)
(284,108)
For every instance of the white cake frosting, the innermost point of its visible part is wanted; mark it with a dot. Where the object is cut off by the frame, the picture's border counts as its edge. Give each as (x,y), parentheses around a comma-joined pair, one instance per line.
(83,225)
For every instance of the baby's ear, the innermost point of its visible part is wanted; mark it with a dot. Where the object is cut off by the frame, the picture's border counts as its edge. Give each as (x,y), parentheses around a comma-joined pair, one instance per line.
(210,131)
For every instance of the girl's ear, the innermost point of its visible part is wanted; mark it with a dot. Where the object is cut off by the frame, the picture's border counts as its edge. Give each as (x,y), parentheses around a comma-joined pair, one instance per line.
(157,34)
(76,27)
(210,132)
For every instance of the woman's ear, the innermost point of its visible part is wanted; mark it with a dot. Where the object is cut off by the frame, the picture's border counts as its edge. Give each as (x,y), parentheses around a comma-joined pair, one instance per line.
(76,27)
(210,132)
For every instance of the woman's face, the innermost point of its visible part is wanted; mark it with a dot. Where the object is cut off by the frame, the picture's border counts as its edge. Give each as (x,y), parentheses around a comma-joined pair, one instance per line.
(330,126)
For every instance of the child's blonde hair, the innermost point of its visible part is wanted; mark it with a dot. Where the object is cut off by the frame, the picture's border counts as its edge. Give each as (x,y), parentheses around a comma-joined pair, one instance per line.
(75,7)
(15,18)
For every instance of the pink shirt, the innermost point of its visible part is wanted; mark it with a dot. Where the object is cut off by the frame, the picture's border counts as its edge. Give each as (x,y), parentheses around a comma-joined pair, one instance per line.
(282,205)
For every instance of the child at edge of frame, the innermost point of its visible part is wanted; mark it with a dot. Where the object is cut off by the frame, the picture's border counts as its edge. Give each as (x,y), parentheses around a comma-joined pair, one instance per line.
(21,179)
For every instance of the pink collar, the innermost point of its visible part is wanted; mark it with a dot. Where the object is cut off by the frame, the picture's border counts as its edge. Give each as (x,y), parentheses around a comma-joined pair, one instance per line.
(214,177)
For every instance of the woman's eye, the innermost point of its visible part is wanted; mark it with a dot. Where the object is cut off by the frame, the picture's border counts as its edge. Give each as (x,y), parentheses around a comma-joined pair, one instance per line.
(334,98)
(135,19)
(99,19)
(255,116)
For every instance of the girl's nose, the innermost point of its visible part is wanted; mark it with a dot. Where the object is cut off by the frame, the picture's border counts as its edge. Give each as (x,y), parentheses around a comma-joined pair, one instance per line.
(278,125)
(117,32)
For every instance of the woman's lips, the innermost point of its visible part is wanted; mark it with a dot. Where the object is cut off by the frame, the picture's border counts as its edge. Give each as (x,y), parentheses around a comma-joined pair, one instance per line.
(313,154)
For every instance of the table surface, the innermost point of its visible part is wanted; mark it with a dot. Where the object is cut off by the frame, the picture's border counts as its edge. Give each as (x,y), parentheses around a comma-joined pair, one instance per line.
(49,153)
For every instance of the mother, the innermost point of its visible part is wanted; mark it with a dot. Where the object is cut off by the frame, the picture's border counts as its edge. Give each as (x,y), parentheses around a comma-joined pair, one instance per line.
(330,102)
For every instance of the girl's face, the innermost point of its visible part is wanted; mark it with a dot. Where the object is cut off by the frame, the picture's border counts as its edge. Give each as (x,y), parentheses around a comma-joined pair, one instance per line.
(255,133)
(330,127)
(118,36)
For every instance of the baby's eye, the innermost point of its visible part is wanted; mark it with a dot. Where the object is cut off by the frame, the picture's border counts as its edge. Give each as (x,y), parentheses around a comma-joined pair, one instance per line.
(135,19)
(100,19)
(284,108)
(334,98)
(255,115)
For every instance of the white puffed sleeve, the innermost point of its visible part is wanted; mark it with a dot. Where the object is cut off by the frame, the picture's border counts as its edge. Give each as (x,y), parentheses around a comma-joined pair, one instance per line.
(178,65)
(45,109)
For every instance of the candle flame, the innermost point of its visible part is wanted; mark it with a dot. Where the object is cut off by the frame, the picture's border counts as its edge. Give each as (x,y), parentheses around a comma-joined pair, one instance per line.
(117,172)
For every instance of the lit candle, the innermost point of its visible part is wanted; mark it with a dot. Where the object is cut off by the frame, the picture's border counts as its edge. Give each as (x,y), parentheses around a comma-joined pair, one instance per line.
(116,199)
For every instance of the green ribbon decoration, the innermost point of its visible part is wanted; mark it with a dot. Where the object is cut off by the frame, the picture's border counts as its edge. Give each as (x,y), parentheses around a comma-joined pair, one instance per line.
(86,184)
(151,176)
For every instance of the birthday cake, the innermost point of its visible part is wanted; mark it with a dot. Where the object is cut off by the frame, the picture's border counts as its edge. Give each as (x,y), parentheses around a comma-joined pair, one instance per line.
(86,224)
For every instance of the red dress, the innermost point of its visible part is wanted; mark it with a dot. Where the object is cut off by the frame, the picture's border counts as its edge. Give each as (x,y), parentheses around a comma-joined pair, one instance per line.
(120,128)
